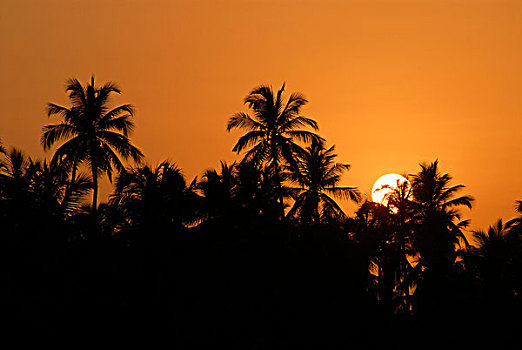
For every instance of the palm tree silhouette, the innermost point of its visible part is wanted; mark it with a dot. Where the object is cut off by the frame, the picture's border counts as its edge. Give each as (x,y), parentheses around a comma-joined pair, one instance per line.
(15,181)
(219,191)
(437,212)
(149,196)
(94,134)
(318,175)
(53,190)
(498,250)
(272,130)
(41,185)
(439,242)
(432,189)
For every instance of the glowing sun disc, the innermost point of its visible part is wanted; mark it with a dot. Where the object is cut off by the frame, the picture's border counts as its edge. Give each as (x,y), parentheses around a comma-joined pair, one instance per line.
(385,185)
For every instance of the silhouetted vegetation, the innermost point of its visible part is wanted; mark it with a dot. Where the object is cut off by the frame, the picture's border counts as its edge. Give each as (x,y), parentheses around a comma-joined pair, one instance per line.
(254,255)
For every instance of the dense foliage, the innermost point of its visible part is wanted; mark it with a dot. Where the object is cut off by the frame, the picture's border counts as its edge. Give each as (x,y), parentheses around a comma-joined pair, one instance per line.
(254,255)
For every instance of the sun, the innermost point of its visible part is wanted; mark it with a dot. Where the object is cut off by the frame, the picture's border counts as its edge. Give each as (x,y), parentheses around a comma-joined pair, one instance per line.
(385,185)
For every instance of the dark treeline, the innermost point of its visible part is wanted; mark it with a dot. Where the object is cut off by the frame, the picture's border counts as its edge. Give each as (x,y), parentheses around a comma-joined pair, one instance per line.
(254,255)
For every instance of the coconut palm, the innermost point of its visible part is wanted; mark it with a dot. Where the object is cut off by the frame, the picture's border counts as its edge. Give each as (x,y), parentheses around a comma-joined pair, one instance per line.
(40,185)
(437,205)
(159,195)
(52,189)
(15,178)
(219,191)
(317,176)
(439,242)
(93,133)
(432,189)
(272,130)
(499,252)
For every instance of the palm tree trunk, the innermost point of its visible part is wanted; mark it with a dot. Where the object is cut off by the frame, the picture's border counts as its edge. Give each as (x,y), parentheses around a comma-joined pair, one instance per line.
(277,179)
(68,190)
(279,190)
(94,186)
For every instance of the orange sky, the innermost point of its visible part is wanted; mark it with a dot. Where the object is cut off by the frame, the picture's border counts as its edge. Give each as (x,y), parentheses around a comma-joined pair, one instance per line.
(391,83)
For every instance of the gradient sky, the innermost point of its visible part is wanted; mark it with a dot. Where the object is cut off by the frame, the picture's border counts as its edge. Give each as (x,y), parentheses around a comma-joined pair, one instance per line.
(391,83)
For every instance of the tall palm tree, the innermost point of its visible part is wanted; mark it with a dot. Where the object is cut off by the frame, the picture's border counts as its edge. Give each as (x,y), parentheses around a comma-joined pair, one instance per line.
(272,130)
(438,240)
(432,189)
(94,134)
(437,204)
(317,176)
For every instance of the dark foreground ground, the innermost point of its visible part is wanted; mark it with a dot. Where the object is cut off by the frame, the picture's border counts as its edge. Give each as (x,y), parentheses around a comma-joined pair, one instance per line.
(198,291)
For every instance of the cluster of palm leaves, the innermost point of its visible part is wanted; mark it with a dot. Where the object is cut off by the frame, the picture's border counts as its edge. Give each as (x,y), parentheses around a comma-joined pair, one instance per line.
(27,184)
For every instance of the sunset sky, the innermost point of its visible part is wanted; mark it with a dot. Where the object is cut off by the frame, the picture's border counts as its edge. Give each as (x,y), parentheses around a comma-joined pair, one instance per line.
(391,83)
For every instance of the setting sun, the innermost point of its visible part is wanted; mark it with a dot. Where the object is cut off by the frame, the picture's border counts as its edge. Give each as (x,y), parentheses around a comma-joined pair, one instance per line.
(385,185)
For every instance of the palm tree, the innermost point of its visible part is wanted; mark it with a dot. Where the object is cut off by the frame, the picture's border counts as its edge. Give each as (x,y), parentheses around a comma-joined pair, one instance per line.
(438,206)
(95,134)
(317,176)
(219,191)
(51,188)
(439,242)
(149,196)
(40,185)
(432,189)
(14,178)
(272,130)
(499,250)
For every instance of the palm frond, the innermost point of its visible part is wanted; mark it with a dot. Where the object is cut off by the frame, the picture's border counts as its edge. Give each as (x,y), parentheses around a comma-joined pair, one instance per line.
(56,132)
(122,145)
(518,206)
(256,155)
(76,191)
(447,193)
(243,121)
(331,209)
(460,201)
(248,139)
(299,122)
(344,192)
(123,124)
(304,136)
(117,111)
(293,106)
(76,92)
(54,109)
(74,148)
